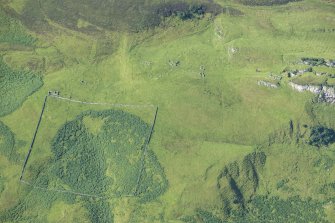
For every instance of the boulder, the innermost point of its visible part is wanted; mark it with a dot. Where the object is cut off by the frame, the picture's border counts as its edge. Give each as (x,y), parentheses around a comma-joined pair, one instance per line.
(267,84)
(329,94)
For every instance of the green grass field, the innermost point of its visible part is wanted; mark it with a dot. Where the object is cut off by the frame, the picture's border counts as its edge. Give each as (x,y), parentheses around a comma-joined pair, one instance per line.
(201,69)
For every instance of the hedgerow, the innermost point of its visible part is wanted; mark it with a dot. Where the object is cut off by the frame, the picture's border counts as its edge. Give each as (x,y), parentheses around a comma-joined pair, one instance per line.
(15,87)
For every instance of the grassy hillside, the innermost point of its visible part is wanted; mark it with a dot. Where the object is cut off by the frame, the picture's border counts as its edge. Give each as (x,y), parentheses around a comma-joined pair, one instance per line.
(97,15)
(223,148)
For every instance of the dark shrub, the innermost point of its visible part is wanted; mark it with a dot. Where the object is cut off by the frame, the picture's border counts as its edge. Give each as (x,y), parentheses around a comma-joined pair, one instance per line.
(321,136)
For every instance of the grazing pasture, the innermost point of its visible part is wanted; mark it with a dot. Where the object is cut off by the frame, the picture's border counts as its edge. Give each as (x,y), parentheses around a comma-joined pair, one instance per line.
(223,148)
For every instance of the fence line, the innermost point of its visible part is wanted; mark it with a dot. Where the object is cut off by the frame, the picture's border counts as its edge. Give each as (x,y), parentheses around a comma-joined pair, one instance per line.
(90,103)
(98,103)
(34,137)
(73,192)
(145,152)
(61,191)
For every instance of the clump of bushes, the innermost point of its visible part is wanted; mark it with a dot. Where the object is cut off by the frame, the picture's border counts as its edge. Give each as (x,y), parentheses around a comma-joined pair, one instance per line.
(328,188)
(202,215)
(82,159)
(99,211)
(14,214)
(207,216)
(153,181)
(321,136)
(275,209)
(239,181)
(268,209)
(15,87)
(7,140)
(28,207)
(9,146)
(80,164)
(186,11)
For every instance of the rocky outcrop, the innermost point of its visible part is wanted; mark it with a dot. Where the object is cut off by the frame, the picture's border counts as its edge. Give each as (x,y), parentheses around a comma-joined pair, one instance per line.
(326,93)
(275,77)
(267,84)
(315,89)
(317,62)
(330,63)
(313,61)
(320,73)
(299,72)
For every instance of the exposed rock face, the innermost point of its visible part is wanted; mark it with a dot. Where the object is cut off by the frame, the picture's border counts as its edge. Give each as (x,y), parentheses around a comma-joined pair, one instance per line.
(313,61)
(330,63)
(299,72)
(312,88)
(320,73)
(267,84)
(275,77)
(317,62)
(326,93)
